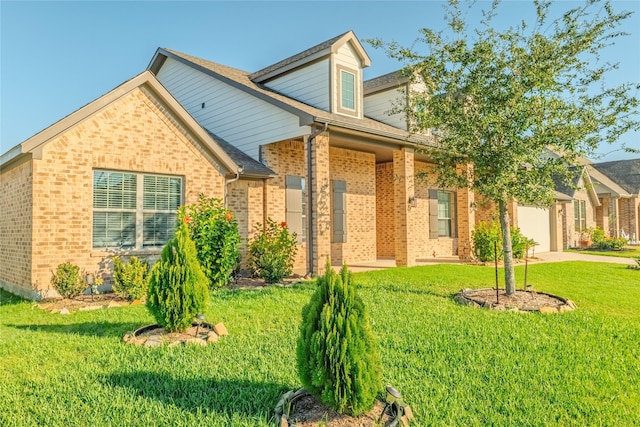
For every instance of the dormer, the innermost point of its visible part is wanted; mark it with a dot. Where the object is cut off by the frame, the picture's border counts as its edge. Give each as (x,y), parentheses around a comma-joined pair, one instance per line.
(327,76)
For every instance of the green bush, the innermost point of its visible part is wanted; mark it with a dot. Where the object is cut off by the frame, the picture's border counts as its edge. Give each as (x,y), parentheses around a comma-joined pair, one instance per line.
(177,286)
(67,280)
(130,279)
(272,252)
(600,241)
(485,234)
(215,234)
(337,355)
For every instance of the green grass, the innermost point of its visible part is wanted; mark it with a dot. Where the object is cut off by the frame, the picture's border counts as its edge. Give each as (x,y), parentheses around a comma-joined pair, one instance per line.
(626,252)
(455,365)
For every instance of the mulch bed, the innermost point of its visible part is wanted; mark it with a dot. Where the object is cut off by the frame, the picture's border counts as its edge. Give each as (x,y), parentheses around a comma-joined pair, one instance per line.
(520,300)
(310,412)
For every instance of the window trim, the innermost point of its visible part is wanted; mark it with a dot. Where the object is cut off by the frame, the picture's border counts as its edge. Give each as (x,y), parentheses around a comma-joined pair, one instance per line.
(340,108)
(580,215)
(139,211)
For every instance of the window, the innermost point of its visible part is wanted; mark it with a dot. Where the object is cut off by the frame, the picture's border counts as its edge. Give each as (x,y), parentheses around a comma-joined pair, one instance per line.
(580,214)
(134,210)
(339,210)
(445,214)
(296,206)
(347,90)
(441,214)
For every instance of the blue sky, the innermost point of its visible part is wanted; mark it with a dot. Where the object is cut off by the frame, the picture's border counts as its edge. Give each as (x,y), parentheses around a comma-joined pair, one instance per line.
(57,56)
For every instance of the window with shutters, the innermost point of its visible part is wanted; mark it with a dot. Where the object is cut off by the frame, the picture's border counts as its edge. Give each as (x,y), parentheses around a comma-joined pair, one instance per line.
(580,214)
(339,211)
(441,214)
(134,210)
(296,206)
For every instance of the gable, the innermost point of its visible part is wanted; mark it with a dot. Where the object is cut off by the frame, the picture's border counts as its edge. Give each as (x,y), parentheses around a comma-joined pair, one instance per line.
(143,83)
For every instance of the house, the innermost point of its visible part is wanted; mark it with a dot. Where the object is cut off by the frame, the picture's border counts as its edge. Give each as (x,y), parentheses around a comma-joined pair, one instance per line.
(304,140)
(621,214)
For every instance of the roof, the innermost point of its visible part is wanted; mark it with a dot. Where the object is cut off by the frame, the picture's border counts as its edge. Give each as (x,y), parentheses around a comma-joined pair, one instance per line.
(247,166)
(625,173)
(312,54)
(307,114)
(568,187)
(33,146)
(385,81)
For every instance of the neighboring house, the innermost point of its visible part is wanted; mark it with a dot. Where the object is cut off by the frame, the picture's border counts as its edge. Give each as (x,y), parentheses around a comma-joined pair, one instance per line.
(302,141)
(622,212)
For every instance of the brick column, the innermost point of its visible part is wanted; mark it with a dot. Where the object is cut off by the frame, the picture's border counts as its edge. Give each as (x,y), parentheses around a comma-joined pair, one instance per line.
(320,186)
(614,224)
(405,218)
(465,218)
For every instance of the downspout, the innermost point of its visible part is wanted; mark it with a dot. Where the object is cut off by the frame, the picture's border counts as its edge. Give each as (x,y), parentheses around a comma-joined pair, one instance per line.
(229,181)
(310,242)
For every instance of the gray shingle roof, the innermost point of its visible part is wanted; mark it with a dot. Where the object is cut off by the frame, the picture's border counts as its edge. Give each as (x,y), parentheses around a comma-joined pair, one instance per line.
(568,188)
(394,78)
(297,57)
(251,167)
(625,173)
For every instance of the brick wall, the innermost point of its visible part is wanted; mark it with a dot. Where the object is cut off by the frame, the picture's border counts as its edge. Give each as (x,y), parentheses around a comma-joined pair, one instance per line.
(358,169)
(284,158)
(245,198)
(629,209)
(571,235)
(135,133)
(16,228)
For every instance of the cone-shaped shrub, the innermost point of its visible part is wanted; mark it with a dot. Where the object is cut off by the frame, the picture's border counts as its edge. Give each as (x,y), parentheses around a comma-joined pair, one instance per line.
(337,353)
(177,286)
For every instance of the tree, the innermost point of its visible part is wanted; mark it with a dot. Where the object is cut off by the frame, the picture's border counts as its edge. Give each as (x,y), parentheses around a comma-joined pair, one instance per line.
(177,286)
(498,101)
(337,353)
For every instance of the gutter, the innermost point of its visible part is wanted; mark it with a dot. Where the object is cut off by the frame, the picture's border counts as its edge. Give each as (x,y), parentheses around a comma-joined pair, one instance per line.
(310,242)
(229,181)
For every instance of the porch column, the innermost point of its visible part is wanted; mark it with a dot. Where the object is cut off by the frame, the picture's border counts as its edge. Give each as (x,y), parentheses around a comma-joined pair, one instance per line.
(465,218)
(321,206)
(405,218)
(614,223)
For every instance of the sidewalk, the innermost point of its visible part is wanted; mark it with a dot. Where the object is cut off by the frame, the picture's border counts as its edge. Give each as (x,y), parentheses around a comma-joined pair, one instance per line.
(383,263)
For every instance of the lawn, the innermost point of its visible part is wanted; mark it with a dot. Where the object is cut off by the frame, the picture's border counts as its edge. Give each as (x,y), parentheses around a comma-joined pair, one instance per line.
(455,365)
(626,252)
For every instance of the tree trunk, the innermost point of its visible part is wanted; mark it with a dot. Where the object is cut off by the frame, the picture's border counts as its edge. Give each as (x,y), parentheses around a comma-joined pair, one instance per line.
(509,274)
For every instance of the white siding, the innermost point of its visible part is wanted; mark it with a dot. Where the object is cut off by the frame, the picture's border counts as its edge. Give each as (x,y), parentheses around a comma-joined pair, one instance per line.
(347,57)
(243,120)
(309,84)
(378,106)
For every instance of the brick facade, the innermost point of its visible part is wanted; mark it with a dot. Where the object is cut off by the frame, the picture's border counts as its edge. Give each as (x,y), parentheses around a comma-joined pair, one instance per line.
(16,227)
(136,133)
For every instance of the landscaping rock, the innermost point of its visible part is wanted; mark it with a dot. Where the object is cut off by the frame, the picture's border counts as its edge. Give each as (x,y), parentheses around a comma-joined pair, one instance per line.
(546,309)
(153,341)
(220,329)
(65,311)
(212,337)
(90,308)
(196,341)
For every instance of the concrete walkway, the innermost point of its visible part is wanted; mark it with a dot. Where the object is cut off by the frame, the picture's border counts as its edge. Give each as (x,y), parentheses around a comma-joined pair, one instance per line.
(384,263)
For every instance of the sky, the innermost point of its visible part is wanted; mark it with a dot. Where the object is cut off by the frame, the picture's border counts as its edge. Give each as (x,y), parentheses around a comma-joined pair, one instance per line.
(57,56)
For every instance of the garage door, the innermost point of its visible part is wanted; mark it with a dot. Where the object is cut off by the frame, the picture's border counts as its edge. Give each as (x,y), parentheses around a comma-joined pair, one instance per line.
(534,223)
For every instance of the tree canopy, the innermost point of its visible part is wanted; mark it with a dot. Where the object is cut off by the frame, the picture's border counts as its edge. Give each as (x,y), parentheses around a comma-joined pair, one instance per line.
(499,101)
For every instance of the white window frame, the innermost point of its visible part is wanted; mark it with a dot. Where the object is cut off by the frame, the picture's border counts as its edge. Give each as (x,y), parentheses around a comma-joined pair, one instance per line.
(447,219)
(139,210)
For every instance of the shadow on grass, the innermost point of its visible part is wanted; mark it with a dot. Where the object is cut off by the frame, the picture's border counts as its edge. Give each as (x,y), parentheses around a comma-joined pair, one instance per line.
(231,397)
(94,329)
(7,298)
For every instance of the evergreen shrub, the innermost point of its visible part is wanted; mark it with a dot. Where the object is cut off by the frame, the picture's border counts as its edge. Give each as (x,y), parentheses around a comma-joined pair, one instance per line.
(130,279)
(485,234)
(272,252)
(337,355)
(214,231)
(177,286)
(67,280)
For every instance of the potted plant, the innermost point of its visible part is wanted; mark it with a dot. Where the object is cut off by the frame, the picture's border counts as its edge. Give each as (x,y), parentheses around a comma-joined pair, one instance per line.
(585,238)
